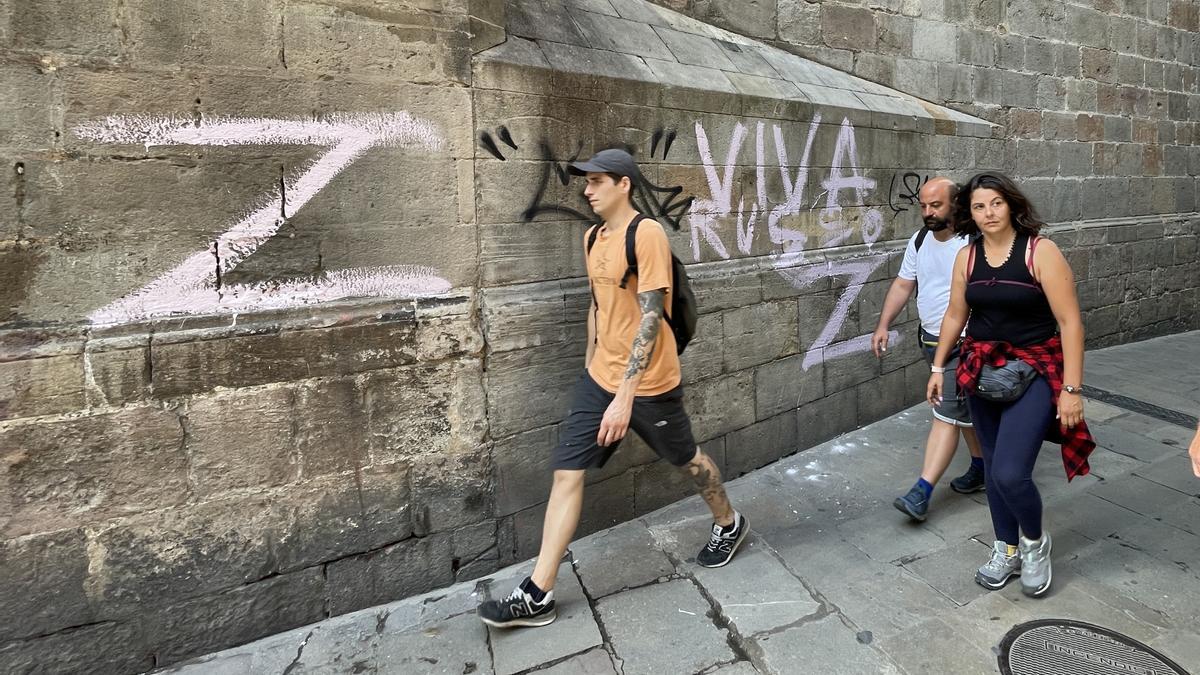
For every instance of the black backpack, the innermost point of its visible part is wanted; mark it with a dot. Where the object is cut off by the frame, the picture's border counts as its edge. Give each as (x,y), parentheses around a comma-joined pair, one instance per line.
(682,315)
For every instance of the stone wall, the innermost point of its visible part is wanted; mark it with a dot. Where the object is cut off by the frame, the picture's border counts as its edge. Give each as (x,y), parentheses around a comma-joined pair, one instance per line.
(290,293)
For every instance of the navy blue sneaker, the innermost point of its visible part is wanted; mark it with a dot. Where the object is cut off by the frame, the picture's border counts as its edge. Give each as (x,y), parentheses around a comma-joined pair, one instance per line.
(914,504)
(971,481)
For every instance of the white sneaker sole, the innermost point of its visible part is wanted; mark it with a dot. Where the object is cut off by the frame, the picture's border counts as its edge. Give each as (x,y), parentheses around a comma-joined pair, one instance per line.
(531,622)
(992,586)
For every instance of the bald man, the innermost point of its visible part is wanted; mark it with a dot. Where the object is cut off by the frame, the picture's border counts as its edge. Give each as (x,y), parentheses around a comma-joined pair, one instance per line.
(926,270)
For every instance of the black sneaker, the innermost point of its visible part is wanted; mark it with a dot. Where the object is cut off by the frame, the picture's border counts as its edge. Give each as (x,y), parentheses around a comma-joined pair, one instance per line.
(519,609)
(971,481)
(914,504)
(723,543)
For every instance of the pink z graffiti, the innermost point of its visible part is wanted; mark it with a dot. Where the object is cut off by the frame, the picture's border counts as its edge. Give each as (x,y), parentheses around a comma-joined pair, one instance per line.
(193,286)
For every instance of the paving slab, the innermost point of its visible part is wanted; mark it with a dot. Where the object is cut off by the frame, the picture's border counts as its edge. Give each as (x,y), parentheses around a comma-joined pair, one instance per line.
(1132,444)
(881,537)
(826,646)
(934,646)
(1088,515)
(1136,494)
(1181,646)
(663,628)
(641,561)
(573,632)
(1172,471)
(951,570)
(760,594)
(886,602)
(1155,429)
(1138,575)
(594,662)
(452,647)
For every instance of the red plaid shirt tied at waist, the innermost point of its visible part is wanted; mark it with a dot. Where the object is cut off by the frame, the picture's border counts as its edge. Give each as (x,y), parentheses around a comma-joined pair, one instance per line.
(1047,359)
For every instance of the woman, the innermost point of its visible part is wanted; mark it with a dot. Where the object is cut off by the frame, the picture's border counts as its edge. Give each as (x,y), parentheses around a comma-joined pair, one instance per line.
(1015,293)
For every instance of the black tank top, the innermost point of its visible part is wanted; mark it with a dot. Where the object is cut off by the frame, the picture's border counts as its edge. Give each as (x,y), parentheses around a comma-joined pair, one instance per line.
(1007,303)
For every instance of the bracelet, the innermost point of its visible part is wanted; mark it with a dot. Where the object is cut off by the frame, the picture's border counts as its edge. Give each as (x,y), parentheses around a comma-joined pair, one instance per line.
(937,369)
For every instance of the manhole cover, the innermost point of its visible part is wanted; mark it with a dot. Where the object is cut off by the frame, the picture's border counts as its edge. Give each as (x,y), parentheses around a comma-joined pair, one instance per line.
(1060,646)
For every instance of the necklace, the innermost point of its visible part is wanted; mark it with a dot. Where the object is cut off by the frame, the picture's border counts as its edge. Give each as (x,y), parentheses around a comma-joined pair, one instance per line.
(1011,244)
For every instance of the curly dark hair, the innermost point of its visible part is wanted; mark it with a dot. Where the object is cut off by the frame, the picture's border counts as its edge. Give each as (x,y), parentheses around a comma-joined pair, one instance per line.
(1025,219)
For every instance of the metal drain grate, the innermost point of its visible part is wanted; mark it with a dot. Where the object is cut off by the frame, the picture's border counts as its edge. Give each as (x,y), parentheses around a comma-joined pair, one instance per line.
(1066,647)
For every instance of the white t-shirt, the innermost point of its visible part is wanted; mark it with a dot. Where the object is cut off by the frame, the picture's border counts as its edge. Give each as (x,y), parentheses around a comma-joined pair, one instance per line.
(932,268)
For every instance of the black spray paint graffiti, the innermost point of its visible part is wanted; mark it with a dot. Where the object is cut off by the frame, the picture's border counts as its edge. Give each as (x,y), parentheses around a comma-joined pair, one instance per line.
(909,190)
(663,203)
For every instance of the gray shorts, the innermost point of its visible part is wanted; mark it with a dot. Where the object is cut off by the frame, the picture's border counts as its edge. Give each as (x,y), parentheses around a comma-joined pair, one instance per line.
(953,410)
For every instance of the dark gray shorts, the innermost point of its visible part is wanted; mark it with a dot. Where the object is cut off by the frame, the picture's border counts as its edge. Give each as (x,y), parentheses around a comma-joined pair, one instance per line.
(953,410)
(660,421)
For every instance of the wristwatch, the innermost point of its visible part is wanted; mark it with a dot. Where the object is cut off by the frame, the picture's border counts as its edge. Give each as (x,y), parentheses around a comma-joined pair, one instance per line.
(1070,389)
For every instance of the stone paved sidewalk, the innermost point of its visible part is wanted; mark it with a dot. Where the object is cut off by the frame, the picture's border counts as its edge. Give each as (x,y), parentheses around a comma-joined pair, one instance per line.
(833,579)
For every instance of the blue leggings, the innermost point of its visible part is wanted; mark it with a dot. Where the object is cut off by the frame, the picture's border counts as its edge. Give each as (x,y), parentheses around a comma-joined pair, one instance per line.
(1011,435)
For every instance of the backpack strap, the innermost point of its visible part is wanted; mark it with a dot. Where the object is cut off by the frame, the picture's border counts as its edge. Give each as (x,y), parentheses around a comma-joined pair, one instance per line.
(921,237)
(591,238)
(631,249)
(971,260)
(1029,261)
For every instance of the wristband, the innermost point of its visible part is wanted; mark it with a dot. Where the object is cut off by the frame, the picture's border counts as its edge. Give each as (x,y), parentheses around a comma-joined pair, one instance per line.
(937,369)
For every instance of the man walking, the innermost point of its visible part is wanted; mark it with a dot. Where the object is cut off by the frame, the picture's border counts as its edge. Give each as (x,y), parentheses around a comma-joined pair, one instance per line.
(927,269)
(632,380)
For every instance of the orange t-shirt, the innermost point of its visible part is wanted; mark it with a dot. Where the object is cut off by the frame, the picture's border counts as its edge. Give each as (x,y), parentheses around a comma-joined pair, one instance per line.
(618,314)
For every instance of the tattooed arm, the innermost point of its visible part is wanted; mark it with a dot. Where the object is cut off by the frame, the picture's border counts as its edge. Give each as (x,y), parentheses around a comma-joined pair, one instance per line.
(615,424)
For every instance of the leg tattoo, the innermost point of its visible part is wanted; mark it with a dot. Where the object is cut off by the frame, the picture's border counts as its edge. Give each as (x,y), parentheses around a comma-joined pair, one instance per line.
(708,482)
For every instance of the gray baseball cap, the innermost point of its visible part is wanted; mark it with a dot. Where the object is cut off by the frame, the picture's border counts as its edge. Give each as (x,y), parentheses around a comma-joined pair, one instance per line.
(607,161)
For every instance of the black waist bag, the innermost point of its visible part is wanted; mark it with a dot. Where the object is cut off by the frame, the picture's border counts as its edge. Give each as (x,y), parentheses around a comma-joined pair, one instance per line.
(1004,384)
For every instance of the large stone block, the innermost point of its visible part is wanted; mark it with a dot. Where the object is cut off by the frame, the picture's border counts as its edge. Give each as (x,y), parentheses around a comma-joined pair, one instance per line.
(934,41)
(799,21)
(522,469)
(107,647)
(183,367)
(27,96)
(755,19)
(760,333)
(452,491)
(825,418)
(90,468)
(79,27)
(181,553)
(976,47)
(241,439)
(335,516)
(883,397)
(425,411)
(331,426)
(45,386)
(42,581)
(244,614)
(197,33)
(720,405)
(413,566)
(785,385)
(761,443)
(527,388)
(403,44)
(848,27)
